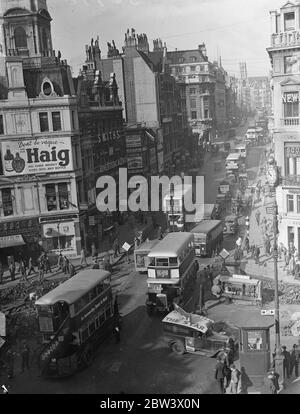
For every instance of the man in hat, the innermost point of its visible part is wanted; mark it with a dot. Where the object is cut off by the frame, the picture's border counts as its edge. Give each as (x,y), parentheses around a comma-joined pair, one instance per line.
(286,362)
(295,358)
(25,356)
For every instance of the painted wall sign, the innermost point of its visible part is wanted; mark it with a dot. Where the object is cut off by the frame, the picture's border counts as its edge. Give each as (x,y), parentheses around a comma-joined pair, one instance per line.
(34,156)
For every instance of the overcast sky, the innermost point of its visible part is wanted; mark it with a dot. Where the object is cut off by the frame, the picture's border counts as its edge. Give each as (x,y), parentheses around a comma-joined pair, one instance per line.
(238,30)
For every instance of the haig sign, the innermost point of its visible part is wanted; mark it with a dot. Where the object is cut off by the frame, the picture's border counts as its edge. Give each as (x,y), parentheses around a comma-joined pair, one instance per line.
(34,156)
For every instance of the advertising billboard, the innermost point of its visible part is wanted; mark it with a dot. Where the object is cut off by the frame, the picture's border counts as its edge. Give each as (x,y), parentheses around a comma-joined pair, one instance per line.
(36,156)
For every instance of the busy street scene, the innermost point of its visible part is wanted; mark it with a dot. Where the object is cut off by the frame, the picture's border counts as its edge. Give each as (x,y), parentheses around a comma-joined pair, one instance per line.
(149,198)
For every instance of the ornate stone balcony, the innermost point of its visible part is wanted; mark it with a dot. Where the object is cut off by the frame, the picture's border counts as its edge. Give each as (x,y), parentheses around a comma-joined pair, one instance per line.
(285,39)
(290,122)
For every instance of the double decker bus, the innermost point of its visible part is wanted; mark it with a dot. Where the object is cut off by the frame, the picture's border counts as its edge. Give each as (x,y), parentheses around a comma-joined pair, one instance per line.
(171,273)
(73,319)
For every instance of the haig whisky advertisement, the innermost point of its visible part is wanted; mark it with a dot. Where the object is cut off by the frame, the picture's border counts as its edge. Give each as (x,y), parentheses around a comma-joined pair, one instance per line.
(46,155)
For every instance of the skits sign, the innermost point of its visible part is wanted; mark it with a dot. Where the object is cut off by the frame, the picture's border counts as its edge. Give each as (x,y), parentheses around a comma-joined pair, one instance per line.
(37,156)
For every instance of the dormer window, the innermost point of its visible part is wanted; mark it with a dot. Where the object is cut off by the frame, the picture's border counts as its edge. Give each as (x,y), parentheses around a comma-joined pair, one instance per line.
(20,38)
(47,88)
(289,21)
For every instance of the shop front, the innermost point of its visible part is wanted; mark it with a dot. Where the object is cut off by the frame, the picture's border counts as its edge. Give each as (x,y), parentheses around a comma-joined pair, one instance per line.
(62,235)
(19,238)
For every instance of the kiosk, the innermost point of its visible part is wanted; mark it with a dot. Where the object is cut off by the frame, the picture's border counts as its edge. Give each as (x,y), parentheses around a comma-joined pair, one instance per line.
(255,352)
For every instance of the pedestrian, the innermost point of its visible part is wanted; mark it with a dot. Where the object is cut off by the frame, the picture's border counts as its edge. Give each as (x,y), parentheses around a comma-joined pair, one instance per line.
(60,262)
(257,216)
(267,246)
(22,270)
(253,248)
(25,351)
(66,265)
(292,266)
(297,270)
(247,244)
(10,358)
(286,362)
(211,275)
(295,358)
(270,384)
(72,270)
(12,271)
(257,255)
(1,273)
(116,247)
(96,265)
(41,271)
(235,380)
(117,333)
(220,376)
(83,262)
(30,266)
(94,251)
(47,264)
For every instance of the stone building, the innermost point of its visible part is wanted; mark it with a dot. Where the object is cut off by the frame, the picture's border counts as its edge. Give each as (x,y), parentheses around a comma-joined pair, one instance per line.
(39,137)
(102,142)
(153,102)
(284,52)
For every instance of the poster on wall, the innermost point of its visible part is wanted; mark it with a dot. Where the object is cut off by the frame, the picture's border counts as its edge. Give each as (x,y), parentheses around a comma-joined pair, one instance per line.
(134,163)
(36,156)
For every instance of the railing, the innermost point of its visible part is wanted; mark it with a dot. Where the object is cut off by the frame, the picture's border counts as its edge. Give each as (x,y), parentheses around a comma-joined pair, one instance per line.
(290,38)
(290,121)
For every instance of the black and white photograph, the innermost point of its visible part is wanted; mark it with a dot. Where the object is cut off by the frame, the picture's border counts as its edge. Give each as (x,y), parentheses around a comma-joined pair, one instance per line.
(149,199)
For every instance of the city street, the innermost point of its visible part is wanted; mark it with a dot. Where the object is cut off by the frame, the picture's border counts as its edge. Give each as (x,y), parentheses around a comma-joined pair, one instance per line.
(142,363)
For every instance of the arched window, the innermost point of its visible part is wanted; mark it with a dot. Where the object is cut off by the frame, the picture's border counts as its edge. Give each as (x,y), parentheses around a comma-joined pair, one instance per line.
(20,38)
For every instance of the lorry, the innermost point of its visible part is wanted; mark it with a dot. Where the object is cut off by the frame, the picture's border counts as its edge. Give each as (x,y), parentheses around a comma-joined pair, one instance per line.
(175,213)
(191,333)
(208,237)
(251,137)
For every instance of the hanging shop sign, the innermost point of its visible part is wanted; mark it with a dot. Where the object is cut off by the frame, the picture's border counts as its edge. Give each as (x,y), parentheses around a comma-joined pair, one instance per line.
(59,229)
(37,156)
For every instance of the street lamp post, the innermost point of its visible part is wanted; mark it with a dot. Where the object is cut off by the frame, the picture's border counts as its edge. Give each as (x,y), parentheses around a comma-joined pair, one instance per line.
(172,206)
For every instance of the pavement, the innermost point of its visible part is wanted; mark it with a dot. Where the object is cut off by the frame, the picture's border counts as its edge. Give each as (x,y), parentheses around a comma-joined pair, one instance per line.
(126,233)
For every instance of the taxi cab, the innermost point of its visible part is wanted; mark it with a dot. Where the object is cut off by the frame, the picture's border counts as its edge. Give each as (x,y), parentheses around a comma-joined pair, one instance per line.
(231,225)
(190,333)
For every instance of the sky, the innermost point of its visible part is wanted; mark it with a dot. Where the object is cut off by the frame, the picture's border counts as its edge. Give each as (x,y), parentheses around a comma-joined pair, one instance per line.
(236,30)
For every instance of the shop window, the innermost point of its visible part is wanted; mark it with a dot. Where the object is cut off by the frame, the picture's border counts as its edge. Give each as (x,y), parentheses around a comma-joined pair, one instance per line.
(84,335)
(92,328)
(290,203)
(56,121)
(51,198)
(63,196)
(44,121)
(289,21)
(20,38)
(194,115)
(7,202)
(206,113)
(108,313)
(101,319)
(291,236)
(255,340)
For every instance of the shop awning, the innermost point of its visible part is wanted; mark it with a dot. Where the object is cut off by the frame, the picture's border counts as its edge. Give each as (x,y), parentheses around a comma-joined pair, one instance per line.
(11,241)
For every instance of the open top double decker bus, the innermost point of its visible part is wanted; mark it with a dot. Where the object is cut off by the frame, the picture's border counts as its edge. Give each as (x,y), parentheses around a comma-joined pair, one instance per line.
(73,319)
(171,273)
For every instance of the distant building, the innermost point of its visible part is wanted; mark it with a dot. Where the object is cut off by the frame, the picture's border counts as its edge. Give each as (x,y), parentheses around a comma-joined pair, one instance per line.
(260,93)
(39,137)
(284,52)
(205,90)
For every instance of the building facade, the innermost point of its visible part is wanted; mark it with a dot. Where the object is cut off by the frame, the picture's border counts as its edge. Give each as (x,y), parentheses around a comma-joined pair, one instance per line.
(102,142)
(153,100)
(285,84)
(39,137)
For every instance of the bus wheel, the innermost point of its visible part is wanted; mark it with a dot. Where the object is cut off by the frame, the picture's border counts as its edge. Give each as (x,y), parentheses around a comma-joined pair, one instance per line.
(150,310)
(178,348)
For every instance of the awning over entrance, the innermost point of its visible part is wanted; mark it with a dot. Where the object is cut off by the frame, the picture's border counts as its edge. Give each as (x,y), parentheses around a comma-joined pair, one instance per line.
(11,241)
